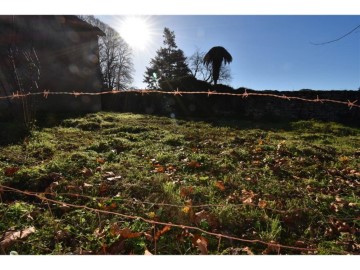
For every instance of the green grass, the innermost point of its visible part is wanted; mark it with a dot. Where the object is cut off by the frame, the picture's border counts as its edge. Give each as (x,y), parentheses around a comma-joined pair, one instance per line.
(293,184)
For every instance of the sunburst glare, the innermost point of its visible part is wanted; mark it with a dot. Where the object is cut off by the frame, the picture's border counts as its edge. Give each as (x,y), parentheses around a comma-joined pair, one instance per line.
(137,31)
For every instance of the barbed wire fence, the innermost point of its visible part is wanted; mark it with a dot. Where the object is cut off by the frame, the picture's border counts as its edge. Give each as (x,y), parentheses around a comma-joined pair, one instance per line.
(245,94)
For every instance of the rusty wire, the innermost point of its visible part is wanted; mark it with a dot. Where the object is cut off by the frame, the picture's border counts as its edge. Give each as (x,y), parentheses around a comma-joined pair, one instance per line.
(245,94)
(154,222)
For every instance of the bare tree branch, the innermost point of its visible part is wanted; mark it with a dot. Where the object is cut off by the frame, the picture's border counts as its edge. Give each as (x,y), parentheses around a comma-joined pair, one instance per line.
(337,39)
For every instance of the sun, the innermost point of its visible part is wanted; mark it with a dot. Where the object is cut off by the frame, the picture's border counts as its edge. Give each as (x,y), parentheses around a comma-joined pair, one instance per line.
(136,31)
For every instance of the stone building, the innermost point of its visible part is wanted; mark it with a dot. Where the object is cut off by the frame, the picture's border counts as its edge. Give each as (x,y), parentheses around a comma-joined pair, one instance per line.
(53,53)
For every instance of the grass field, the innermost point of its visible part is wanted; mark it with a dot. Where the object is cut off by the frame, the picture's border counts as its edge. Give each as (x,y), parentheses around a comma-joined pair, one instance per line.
(110,183)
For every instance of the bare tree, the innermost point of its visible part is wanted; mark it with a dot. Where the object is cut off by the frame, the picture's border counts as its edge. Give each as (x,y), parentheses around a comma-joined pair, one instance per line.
(116,62)
(203,72)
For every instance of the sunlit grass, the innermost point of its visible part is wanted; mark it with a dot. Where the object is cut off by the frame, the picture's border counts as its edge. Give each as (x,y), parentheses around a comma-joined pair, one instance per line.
(290,183)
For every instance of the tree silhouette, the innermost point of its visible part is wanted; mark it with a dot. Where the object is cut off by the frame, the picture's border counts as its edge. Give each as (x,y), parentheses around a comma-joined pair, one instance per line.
(215,57)
(168,64)
(204,72)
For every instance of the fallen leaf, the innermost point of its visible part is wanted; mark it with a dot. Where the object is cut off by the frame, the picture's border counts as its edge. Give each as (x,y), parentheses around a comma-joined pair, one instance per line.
(186,191)
(272,248)
(72,188)
(100,160)
(10,237)
(204,215)
(160,169)
(125,233)
(300,244)
(99,233)
(103,188)
(201,243)
(247,250)
(148,236)
(160,233)
(262,204)
(220,185)
(247,196)
(110,207)
(10,171)
(87,172)
(117,247)
(194,164)
(344,159)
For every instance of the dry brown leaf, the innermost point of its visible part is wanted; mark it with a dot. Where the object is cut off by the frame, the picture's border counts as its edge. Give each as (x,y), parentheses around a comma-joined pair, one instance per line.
(100,160)
(201,243)
(220,185)
(194,164)
(126,233)
(262,204)
(247,196)
(160,233)
(103,188)
(247,250)
(204,215)
(160,169)
(10,171)
(117,247)
(186,191)
(11,237)
(272,248)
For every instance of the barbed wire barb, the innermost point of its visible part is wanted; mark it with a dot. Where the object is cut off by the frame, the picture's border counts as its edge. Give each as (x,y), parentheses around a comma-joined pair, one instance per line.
(245,94)
(177,92)
(46,93)
(351,104)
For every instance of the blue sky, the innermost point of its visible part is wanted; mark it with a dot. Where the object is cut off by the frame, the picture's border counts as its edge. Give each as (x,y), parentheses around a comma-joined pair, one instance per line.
(269,51)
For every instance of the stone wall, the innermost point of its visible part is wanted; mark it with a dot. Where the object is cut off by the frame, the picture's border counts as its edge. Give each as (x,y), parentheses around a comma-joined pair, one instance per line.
(251,107)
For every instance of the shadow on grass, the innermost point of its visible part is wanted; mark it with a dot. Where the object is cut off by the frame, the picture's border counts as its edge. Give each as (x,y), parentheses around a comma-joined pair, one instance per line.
(13,130)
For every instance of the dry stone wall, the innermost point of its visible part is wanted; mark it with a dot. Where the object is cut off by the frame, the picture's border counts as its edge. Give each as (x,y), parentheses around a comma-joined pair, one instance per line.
(251,107)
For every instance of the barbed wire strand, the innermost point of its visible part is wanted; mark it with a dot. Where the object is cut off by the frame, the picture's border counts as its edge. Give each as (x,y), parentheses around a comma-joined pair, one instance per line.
(218,235)
(136,201)
(46,93)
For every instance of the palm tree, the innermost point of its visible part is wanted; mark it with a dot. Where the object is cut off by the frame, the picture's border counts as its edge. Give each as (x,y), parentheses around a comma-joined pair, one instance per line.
(216,56)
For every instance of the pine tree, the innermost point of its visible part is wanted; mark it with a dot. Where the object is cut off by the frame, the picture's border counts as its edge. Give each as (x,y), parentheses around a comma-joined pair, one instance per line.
(168,64)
